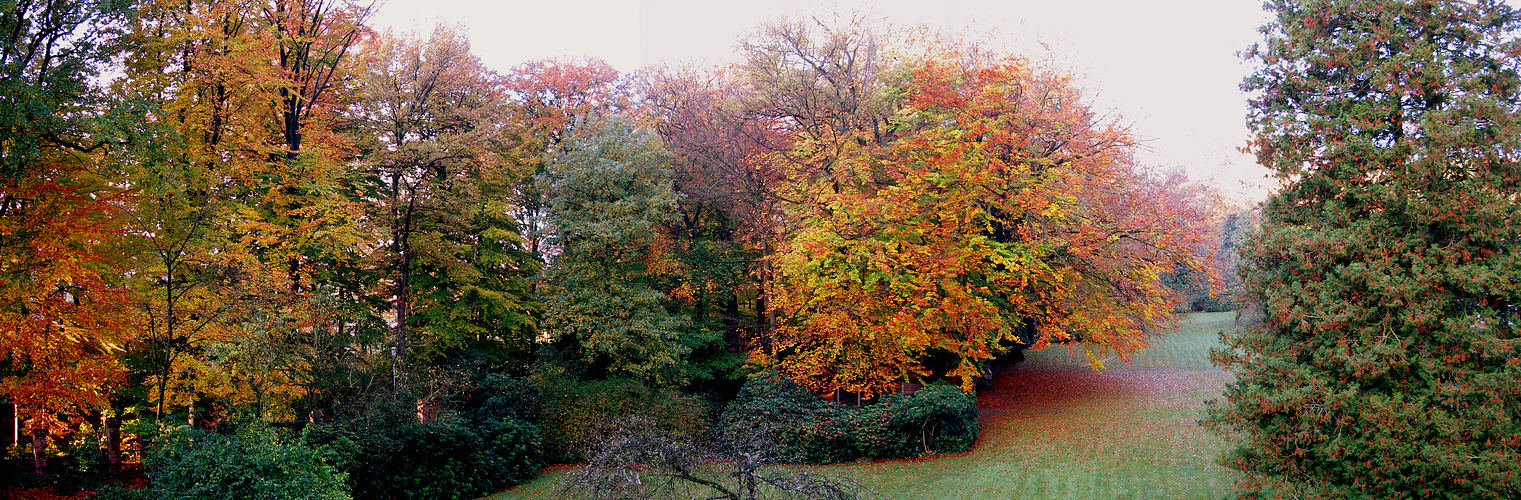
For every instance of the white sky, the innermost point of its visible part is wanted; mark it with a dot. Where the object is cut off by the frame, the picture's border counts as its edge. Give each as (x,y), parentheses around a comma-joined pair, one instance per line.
(1168,67)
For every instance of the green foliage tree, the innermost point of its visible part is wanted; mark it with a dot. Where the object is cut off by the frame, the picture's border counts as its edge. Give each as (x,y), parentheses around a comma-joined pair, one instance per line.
(607,195)
(1389,363)
(548,98)
(424,114)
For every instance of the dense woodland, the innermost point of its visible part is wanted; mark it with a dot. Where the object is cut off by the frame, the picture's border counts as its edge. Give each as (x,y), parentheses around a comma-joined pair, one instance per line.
(260,230)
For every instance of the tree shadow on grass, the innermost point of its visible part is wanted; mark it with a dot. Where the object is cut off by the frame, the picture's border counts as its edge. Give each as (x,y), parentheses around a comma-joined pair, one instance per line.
(1033,388)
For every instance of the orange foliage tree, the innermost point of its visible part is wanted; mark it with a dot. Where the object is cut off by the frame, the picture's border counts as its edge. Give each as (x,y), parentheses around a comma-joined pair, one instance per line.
(1002,211)
(61,319)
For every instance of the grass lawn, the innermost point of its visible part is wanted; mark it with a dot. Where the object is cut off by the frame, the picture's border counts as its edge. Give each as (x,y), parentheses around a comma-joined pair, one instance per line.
(1053,428)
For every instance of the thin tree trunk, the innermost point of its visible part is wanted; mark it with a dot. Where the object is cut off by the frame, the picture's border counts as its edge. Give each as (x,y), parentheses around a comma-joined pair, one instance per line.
(113,444)
(39,449)
(760,314)
(165,367)
(163,382)
(403,297)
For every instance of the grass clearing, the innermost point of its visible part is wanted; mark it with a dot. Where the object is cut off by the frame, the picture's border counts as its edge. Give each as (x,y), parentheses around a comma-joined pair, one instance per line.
(1053,428)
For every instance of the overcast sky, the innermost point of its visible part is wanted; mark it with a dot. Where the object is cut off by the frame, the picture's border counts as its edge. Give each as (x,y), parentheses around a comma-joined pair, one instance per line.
(1168,67)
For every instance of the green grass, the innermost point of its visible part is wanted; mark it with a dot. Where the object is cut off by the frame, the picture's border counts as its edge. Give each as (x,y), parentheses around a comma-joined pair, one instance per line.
(1053,428)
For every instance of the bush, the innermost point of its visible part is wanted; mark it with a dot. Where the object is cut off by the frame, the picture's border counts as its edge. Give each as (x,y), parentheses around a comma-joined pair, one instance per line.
(804,426)
(80,462)
(937,419)
(573,411)
(497,397)
(445,458)
(635,459)
(876,432)
(487,446)
(254,463)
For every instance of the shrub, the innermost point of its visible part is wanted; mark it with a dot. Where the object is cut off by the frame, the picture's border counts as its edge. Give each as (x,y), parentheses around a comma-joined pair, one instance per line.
(937,419)
(445,458)
(254,463)
(876,433)
(635,459)
(804,426)
(573,410)
(497,397)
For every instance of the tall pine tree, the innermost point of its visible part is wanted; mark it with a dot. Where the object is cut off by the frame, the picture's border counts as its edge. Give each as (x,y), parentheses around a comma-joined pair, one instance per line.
(1389,362)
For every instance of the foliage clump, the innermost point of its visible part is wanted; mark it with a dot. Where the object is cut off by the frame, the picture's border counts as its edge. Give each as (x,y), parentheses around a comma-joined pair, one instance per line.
(635,459)
(255,462)
(574,410)
(938,418)
(489,443)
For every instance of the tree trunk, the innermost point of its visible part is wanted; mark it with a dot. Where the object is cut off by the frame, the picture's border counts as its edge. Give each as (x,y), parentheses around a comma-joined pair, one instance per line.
(12,434)
(403,287)
(401,230)
(163,384)
(113,444)
(166,367)
(39,449)
(760,313)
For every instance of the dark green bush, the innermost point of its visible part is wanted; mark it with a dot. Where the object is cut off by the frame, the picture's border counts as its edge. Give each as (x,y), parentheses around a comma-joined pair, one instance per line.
(497,397)
(804,426)
(876,431)
(488,445)
(254,463)
(937,419)
(573,411)
(445,458)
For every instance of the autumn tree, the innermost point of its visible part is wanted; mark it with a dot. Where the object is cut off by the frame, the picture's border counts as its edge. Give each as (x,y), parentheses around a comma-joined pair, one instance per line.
(941,206)
(236,169)
(727,212)
(425,114)
(1215,286)
(1004,213)
(547,99)
(824,87)
(608,194)
(62,320)
(1389,363)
